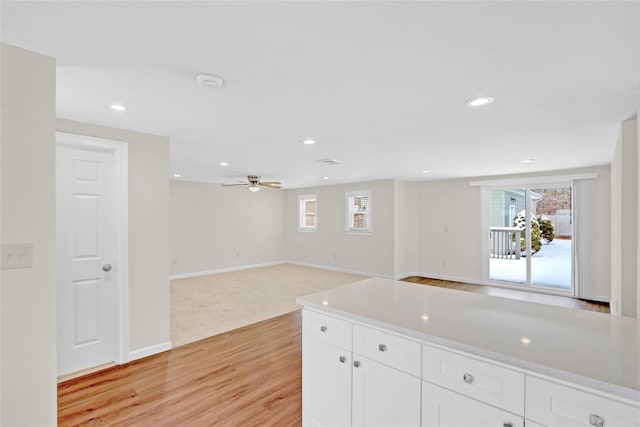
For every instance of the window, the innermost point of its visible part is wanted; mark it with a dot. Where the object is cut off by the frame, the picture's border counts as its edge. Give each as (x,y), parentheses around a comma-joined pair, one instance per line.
(359,211)
(307,212)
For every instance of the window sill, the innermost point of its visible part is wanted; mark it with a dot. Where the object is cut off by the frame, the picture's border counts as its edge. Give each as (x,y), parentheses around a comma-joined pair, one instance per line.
(307,230)
(359,233)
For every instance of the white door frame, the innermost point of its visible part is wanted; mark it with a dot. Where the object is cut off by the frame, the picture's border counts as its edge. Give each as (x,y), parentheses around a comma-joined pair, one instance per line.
(528,183)
(120,150)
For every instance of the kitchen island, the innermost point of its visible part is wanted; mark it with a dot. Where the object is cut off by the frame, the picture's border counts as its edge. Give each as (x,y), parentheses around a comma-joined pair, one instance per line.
(385,352)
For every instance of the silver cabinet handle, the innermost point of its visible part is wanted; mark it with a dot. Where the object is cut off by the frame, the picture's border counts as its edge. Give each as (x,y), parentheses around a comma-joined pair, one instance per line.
(356,363)
(507,424)
(342,359)
(382,347)
(323,329)
(467,378)
(596,421)
(106,267)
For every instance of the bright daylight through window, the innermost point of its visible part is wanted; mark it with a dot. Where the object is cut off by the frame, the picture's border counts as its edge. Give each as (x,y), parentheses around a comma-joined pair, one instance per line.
(359,211)
(307,212)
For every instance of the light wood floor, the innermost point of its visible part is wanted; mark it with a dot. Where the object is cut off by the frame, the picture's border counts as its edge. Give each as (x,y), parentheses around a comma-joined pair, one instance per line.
(251,376)
(561,301)
(247,377)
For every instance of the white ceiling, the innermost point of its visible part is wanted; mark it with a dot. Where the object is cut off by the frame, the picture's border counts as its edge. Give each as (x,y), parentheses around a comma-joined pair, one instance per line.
(379,85)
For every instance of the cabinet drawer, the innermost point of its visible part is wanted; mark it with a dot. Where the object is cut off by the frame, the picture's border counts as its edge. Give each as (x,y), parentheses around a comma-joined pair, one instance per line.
(327,329)
(480,380)
(388,349)
(444,408)
(555,404)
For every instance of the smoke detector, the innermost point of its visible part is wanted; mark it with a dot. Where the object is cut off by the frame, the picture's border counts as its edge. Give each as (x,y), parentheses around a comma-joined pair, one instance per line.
(208,80)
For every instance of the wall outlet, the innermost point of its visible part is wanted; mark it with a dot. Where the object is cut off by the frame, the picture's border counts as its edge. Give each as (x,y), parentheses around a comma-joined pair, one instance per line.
(444,264)
(17,255)
(174,261)
(237,254)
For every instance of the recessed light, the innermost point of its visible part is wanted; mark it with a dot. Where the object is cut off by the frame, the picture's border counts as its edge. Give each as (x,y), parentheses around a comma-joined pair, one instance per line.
(525,340)
(526,161)
(118,107)
(479,101)
(425,171)
(308,141)
(425,317)
(325,177)
(325,302)
(176,175)
(223,164)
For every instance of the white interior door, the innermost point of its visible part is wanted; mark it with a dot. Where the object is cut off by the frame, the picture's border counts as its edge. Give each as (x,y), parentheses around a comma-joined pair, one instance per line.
(86,245)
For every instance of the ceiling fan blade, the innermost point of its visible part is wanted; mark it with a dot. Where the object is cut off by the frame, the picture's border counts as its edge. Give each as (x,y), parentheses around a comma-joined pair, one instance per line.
(234,185)
(271,184)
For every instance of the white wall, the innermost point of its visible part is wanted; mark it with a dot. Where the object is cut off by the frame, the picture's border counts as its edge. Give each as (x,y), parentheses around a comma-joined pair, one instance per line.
(28,297)
(331,246)
(215,227)
(454,206)
(406,228)
(624,221)
(449,231)
(148,231)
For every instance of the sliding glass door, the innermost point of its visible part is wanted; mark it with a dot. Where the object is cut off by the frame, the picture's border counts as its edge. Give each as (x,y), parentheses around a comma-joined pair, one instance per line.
(530,237)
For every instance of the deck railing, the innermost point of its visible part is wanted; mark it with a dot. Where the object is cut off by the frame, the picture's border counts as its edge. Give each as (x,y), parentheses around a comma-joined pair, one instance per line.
(504,242)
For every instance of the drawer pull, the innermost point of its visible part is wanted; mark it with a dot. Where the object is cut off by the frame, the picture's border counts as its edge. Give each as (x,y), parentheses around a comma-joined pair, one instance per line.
(323,329)
(508,424)
(596,421)
(382,347)
(342,359)
(356,363)
(467,378)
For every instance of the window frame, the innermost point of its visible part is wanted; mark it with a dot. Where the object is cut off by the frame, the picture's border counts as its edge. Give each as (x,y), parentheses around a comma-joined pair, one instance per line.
(349,214)
(302,198)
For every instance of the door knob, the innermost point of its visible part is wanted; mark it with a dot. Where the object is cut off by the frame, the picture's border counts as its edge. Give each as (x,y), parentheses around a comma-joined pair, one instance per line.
(106,267)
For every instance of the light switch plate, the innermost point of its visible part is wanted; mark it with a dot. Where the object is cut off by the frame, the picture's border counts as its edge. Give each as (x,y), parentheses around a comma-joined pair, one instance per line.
(16,255)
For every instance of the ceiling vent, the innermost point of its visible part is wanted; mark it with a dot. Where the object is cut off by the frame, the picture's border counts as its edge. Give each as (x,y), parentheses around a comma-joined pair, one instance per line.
(209,80)
(331,162)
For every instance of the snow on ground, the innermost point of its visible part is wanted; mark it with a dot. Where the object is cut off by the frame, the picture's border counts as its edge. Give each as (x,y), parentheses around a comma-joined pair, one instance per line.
(550,267)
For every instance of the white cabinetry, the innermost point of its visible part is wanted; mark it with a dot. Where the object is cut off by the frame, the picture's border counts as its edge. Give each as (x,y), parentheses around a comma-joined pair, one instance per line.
(445,408)
(326,384)
(384,396)
(464,391)
(358,375)
(342,387)
(554,404)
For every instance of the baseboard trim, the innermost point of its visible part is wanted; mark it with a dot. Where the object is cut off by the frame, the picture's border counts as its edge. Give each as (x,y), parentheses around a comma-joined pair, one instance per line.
(337,269)
(150,351)
(224,270)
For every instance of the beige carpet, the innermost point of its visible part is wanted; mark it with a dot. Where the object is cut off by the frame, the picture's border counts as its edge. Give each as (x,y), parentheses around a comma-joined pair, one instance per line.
(209,305)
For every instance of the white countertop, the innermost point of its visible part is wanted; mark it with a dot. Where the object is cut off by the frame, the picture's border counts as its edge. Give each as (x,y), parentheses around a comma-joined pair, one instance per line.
(595,350)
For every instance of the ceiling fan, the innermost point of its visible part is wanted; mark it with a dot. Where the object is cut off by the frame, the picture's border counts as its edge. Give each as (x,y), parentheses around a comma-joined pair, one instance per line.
(254,183)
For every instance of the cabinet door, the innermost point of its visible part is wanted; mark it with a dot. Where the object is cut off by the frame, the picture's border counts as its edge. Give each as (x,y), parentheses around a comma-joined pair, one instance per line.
(445,408)
(326,384)
(383,396)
